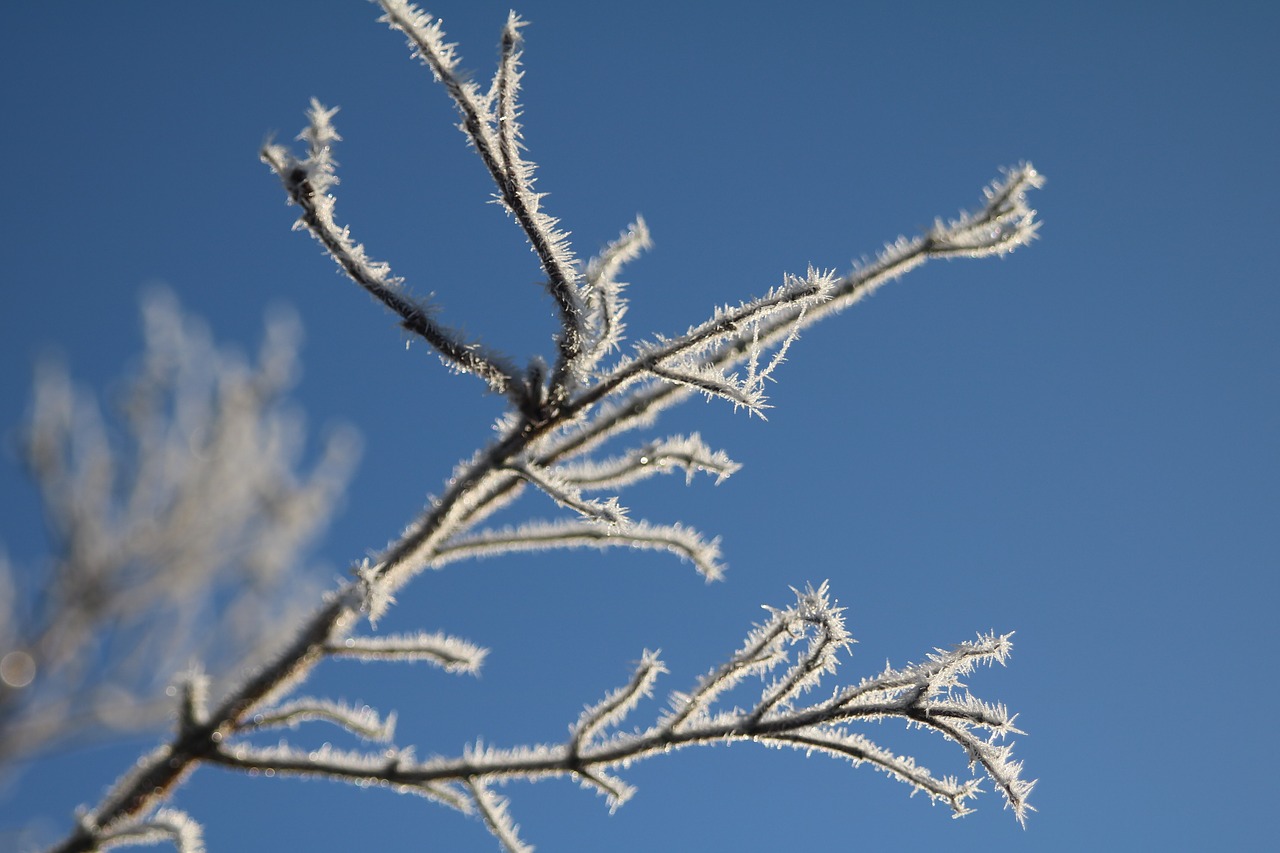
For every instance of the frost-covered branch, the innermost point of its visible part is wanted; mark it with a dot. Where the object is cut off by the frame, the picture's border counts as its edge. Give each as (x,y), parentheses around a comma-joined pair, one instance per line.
(307,183)
(930,696)
(603,296)
(363,721)
(539,536)
(1005,222)
(555,437)
(493,810)
(659,457)
(451,653)
(617,705)
(686,360)
(170,825)
(491,125)
(567,494)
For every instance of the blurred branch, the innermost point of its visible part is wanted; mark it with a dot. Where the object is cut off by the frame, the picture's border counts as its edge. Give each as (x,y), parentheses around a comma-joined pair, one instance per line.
(178,537)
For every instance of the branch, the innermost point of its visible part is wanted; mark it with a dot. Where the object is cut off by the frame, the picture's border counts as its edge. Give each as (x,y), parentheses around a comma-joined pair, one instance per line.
(493,809)
(657,457)
(603,292)
(1006,220)
(306,182)
(687,360)
(364,722)
(451,653)
(165,825)
(538,536)
(920,695)
(618,704)
(495,135)
(608,512)
(554,421)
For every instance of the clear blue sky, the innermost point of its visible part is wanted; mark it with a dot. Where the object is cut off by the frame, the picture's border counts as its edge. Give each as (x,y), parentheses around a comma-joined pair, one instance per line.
(1078,442)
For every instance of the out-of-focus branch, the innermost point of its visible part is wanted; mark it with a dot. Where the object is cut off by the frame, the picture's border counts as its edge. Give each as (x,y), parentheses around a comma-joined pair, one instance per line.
(178,537)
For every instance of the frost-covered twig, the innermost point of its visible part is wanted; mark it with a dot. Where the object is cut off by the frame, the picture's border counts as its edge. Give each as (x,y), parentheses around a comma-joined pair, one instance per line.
(165,825)
(688,452)
(689,359)
(307,182)
(604,303)
(493,810)
(677,539)
(490,123)
(1006,220)
(451,653)
(617,705)
(567,494)
(363,721)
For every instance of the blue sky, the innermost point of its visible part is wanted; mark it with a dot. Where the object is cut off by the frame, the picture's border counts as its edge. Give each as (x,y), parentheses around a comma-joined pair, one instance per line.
(1078,442)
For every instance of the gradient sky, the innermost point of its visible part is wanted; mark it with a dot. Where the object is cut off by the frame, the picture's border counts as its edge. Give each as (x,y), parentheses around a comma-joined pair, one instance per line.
(1078,443)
